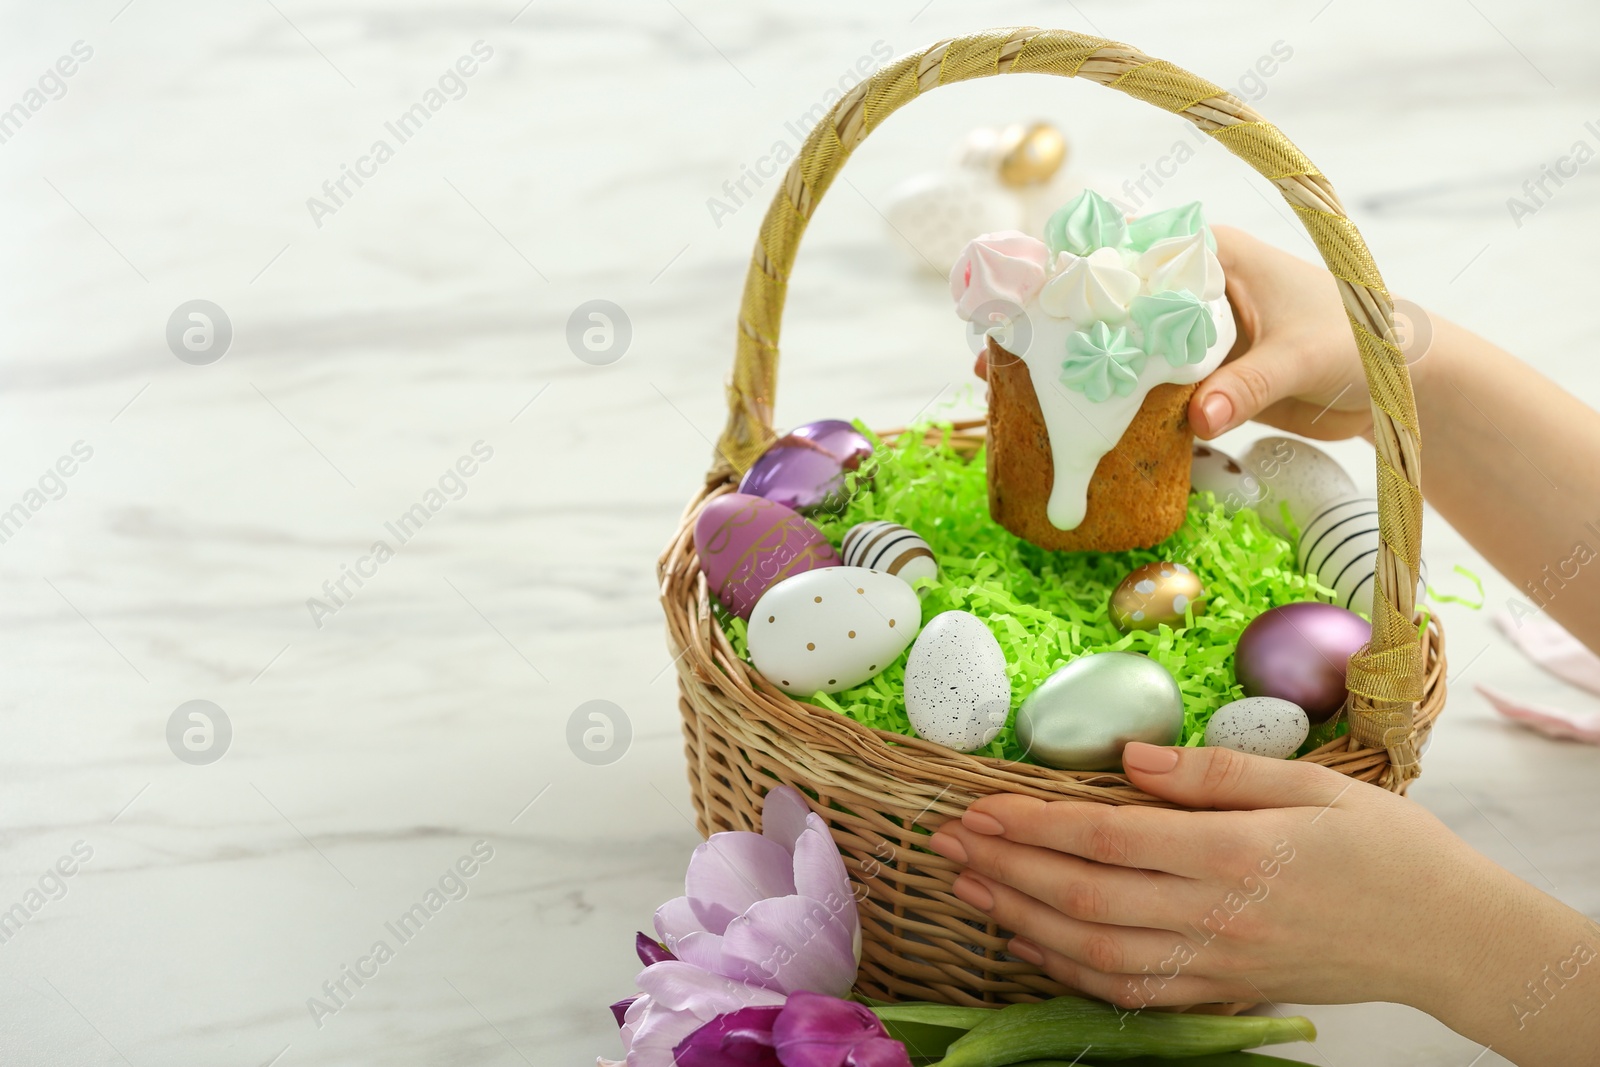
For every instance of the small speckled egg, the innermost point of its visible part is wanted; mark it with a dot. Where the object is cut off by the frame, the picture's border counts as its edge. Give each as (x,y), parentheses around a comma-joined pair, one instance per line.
(888,546)
(1261,726)
(826,630)
(957,692)
(1295,473)
(1156,594)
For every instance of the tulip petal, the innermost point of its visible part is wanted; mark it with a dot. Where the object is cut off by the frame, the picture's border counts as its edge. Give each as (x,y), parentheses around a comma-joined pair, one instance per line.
(821,1031)
(792,943)
(701,950)
(619,1010)
(743,1037)
(656,1032)
(677,986)
(784,814)
(819,870)
(649,950)
(676,919)
(733,870)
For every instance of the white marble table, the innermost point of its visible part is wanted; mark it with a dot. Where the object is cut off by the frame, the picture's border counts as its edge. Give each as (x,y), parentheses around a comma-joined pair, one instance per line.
(377,339)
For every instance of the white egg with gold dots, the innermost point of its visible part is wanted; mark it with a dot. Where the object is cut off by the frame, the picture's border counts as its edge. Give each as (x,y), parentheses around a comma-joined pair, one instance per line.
(827,630)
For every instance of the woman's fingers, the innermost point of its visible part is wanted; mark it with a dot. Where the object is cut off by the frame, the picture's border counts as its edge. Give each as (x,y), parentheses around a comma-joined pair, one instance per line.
(1156,989)
(1223,779)
(1077,888)
(1152,839)
(1097,946)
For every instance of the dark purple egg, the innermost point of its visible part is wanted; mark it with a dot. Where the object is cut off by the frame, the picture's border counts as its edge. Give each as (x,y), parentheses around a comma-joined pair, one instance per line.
(838,438)
(798,474)
(1299,653)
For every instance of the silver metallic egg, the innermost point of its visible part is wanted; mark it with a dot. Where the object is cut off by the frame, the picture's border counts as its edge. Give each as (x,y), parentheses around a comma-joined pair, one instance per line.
(1080,717)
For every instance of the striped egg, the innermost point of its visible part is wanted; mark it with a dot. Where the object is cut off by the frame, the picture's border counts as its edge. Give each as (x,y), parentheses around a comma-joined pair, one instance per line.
(889,547)
(1339,546)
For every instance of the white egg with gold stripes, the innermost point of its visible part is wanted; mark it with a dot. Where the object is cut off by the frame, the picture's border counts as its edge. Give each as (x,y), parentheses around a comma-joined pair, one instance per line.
(891,548)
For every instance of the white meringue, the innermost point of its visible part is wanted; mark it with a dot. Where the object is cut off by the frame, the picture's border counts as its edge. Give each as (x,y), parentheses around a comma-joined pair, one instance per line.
(1090,289)
(1183,263)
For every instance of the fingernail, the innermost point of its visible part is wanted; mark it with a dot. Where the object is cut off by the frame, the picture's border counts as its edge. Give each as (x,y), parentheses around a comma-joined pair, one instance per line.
(948,847)
(974,892)
(1218,411)
(1024,949)
(1151,759)
(979,823)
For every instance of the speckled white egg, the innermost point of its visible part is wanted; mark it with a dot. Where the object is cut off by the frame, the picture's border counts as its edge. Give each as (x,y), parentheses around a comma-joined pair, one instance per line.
(888,546)
(832,628)
(1339,546)
(1261,726)
(1212,470)
(1293,472)
(957,692)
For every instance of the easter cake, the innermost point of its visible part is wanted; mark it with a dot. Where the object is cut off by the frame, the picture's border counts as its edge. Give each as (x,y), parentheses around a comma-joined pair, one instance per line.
(1096,339)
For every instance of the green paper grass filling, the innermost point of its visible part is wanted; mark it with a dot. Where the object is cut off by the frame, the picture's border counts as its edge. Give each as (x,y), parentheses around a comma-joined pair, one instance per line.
(1049,608)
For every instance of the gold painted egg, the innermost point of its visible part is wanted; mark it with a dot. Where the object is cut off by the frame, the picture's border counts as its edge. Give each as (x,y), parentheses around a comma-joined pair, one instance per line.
(1034,154)
(1155,594)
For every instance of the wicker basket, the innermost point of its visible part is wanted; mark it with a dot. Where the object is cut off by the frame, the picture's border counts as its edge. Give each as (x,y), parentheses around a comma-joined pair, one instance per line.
(882,792)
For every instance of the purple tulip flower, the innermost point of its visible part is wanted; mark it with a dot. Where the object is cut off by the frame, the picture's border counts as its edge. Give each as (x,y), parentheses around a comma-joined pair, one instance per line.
(819,1031)
(811,1030)
(678,1000)
(763,916)
(773,909)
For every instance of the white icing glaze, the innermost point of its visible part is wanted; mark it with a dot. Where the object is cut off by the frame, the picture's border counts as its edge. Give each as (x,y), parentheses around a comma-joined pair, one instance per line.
(1081,430)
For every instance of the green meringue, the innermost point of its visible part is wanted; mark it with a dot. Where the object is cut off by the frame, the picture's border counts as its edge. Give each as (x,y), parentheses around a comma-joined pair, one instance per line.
(1085,223)
(1183,221)
(1177,325)
(1101,361)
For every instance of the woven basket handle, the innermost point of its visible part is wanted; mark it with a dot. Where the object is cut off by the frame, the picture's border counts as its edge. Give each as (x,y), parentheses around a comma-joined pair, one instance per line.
(1386,678)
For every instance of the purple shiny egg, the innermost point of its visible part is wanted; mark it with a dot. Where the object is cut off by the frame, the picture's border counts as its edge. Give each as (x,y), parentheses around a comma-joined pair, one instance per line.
(798,474)
(1299,653)
(838,438)
(748,544)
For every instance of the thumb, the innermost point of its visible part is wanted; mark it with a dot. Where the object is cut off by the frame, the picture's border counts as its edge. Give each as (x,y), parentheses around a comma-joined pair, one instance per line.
(1223,779)
(1242,388)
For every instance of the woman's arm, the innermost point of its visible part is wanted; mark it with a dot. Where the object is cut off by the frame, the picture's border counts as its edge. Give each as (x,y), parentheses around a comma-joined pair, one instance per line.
(1510,459)
(1303,886)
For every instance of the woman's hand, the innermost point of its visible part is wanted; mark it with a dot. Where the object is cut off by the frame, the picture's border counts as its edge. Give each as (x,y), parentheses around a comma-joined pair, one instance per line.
(1295,365)
(1301,885)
